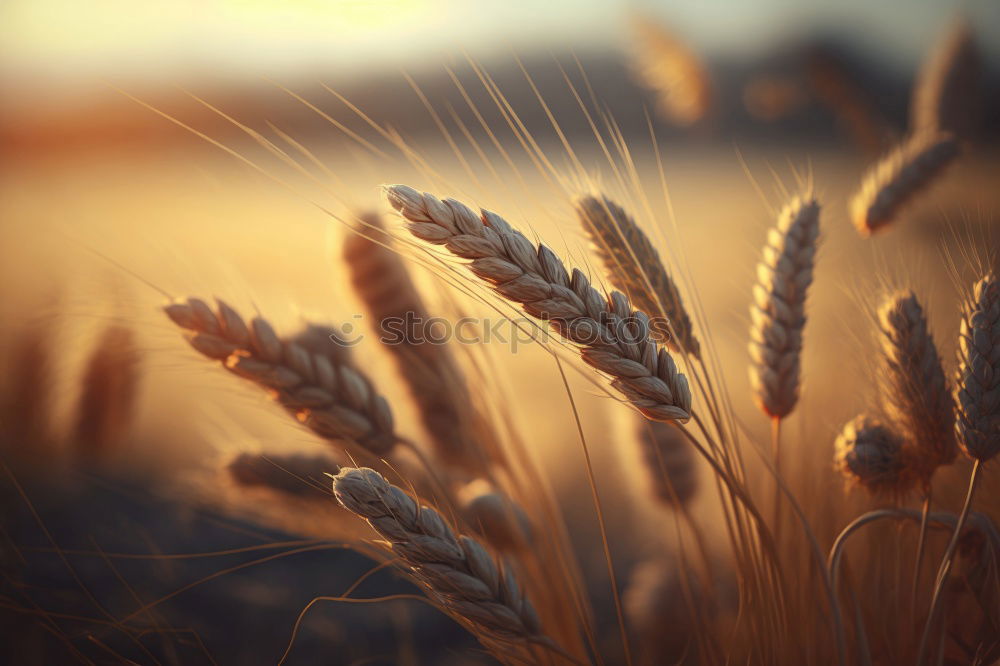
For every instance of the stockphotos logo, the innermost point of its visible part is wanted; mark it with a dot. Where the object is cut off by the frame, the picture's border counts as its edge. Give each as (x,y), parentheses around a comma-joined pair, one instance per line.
(412,330)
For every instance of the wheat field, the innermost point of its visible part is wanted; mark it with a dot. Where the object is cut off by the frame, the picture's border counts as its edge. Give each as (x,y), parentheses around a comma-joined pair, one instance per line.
(537,384)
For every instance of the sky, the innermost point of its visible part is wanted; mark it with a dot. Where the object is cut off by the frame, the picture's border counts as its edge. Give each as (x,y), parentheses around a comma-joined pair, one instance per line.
(69,44)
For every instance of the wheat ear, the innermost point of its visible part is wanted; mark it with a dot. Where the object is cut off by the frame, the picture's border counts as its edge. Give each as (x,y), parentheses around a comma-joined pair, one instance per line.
(944,96)
(295,474)
(871,454)
(457,572)
(322,390)
(503,523)
(779,301)
(635,269)
(979,373)
(107,395)
(914,390)
(669,460)
(898,177)
(436,384)
(612,336)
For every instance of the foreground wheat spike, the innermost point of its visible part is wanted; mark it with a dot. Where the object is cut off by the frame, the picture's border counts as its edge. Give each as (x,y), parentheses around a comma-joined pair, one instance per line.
(945,93)
(296,474)
(899,176)
(979,373)
(635,269)
(915,393)
(871,454)
(456,571)
(778,312)
(613,337)
(324,392)
(108,394)
(669,460)
(436,383)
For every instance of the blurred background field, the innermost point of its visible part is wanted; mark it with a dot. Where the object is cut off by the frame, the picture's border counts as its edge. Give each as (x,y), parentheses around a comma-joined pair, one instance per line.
(106,203)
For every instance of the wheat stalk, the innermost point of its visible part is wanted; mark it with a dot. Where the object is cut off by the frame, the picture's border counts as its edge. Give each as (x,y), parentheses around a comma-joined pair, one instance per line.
(915,394)
(457,572)
(899,176)
(872,455)
(944,96)
(635,269)
(612,336)
(436,384)
(778,310)
(322,390)
(979,373)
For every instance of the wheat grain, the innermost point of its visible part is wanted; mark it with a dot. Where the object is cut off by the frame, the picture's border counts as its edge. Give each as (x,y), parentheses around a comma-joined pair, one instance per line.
(898,177)
(456,570)
(635,269)
(669,461)
(108,394)
(871,454)
(333,399)
(296,474)
(436,384)
(979,373)
(778,310)
(945,93)
(914,391)
(612,336)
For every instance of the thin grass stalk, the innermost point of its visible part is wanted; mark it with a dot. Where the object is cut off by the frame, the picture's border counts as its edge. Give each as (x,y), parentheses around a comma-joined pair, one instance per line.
(946,562)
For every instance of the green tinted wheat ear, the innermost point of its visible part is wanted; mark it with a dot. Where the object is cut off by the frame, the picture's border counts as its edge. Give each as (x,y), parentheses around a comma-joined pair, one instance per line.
(914,391)
(902,174)
(871,454)
(634,268)
(778,312)
(613,337)
(979,373)
(456,571)
(323,391)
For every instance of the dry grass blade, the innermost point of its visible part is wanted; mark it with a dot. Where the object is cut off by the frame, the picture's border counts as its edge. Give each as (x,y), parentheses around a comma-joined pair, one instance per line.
(896,179)
(635,269)
(297,474)
(979,373)
(322,390)
(778,310)
(670,462)
(613,337)
(457,572)
(915,394)
(872,455)
(945,96)
(436,384)
(673,72)
(108,394)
